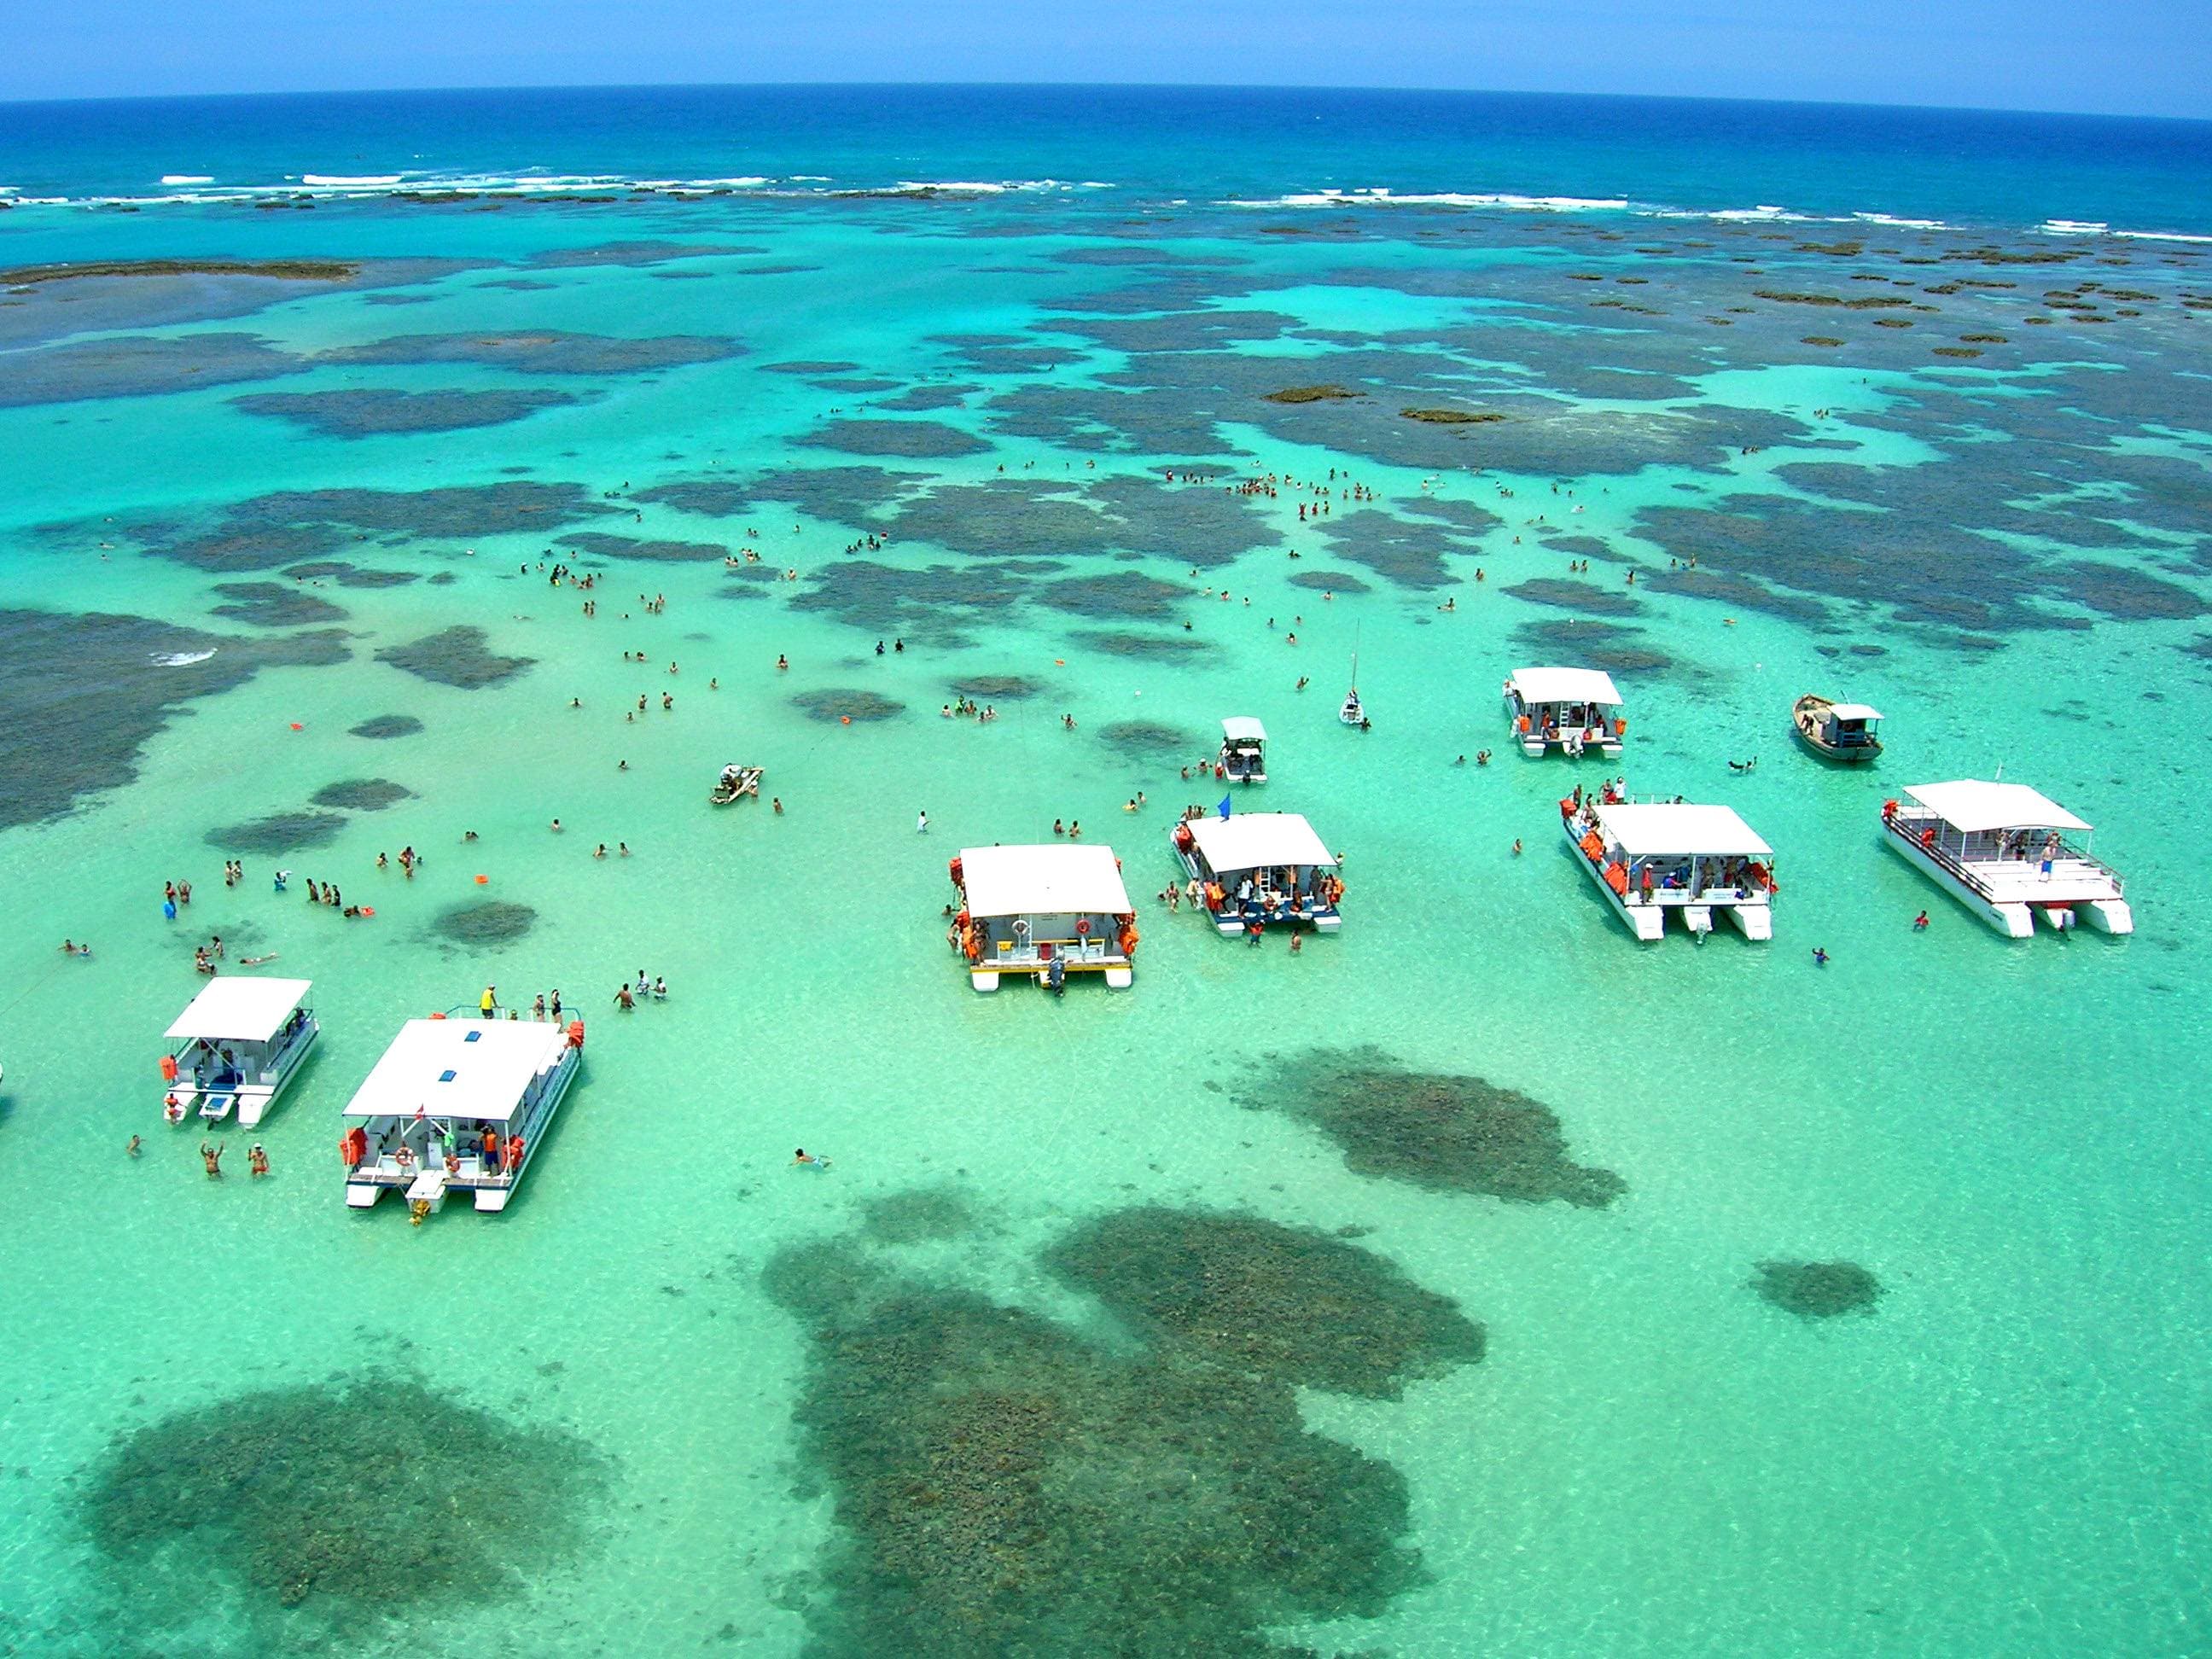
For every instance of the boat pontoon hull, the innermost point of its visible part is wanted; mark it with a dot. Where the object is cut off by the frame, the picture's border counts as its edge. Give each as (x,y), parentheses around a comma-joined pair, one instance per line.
(251,1101)
(2014,918)
(1645,914)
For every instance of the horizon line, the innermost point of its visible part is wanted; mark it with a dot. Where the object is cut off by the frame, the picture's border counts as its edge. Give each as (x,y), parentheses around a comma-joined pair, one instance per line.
(7,102)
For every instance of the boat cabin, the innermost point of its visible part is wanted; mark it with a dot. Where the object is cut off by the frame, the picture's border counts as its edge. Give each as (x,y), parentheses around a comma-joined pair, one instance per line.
(236,1047)
(457,1105)
(1046,911)
(1259,869)
(1658,857)
(1570,710)
(2007,852)
(1243,750)
(1838,731)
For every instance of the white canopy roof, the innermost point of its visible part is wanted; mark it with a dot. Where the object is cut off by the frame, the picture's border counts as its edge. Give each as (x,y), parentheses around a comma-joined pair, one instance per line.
(1248,841)
(1854,711)
(1065,878)
(472,1068)
(1973,806)
(1664,829)
(240,1009)
(1565,685)
(1240,727)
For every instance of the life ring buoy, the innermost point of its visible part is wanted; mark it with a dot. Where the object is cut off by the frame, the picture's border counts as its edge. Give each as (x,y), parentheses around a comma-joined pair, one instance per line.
(1083,925)
(168,1068)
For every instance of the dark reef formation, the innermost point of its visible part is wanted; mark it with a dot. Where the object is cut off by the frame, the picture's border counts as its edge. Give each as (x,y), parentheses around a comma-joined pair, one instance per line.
(486,925)
(1817,1289)
(1433,1129)
(845,705)
(1006,1485)
(297,1497)
(457,656)
(280,832)
(362,795)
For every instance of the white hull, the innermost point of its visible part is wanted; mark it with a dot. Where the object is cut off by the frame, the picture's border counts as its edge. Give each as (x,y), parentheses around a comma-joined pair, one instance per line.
(251,1101)
(1646,916)
(2015,917)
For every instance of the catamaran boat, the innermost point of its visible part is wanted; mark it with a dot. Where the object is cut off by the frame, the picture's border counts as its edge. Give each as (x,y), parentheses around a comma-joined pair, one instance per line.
(1260,868)
(2003,850)
(457,1105)
(1652,858)
(1047,911)
(1244,749)
(236,1047)
(1570,710)
(1837,730)
(736,780)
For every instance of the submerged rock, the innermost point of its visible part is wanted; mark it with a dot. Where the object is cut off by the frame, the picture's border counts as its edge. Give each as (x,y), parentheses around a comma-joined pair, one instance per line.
(996,688)
(1817,1289)
(488,923)
(85,692)
(385,726)
(362,794)
(1005,1487)
(300,1498)
(457,656)
(843,704)
(1145,739)
(272,604)
(1435,1129)
(280,832)
(1297,1305)
(918,1215)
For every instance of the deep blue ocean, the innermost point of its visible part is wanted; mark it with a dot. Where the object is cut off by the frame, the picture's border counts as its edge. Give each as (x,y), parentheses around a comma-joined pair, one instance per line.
(1151,145)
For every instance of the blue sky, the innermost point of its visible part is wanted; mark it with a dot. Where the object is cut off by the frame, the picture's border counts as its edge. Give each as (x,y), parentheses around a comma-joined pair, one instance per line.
(2146,56)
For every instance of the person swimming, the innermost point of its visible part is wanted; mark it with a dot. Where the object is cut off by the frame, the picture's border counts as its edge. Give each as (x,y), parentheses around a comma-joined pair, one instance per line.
(802,1156)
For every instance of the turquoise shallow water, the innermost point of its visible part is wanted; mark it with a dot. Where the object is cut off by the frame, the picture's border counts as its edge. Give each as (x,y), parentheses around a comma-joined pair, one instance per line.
(2005,1456)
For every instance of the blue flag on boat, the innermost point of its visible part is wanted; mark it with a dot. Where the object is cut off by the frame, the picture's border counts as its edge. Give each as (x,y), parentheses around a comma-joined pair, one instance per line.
(1224,808)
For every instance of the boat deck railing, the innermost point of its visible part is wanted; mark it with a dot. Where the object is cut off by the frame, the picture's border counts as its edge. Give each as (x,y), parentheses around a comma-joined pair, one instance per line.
(1910,824)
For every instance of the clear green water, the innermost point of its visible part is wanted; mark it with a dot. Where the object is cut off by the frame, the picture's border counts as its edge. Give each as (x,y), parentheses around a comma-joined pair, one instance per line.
(2006,1455)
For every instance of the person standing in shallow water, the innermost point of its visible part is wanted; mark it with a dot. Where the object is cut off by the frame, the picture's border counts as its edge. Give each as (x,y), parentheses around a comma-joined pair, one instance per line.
(212,1158)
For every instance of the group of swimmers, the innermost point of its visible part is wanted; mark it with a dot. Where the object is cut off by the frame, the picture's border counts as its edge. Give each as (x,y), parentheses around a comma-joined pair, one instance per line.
(983,712)
(627,997)
(257,1160)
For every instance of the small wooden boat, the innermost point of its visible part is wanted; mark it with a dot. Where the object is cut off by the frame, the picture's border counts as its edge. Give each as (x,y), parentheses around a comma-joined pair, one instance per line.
(1838,731)
(736,780)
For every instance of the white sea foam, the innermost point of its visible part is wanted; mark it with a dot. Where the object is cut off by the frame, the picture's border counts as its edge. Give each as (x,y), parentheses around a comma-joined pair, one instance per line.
(179,658)
(344,181)
(954,186)
(2100,227)
(1379,196)
(1896,223)
(188,177)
